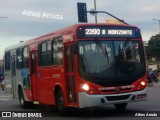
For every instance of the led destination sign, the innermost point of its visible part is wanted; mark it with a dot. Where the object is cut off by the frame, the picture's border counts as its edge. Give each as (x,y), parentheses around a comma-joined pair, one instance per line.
(108,32)
(119,32)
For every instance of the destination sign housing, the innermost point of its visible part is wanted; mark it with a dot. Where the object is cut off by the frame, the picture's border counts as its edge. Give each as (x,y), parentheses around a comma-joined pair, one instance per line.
(108,32)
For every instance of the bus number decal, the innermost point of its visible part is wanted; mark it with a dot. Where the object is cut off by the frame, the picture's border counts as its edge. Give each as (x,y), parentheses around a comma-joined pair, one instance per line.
(93,32)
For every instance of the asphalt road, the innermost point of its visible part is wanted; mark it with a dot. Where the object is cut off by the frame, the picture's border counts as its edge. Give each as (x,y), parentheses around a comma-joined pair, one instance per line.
(150,108)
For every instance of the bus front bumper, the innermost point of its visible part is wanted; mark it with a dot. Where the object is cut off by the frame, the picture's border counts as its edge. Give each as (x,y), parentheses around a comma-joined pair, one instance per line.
(86,100)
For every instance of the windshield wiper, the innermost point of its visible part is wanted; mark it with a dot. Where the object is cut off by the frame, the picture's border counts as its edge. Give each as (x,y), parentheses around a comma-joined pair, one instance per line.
(122,49)
(103,48)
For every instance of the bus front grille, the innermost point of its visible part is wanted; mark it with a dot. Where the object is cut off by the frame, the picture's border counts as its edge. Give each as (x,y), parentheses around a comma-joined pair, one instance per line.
(115,98)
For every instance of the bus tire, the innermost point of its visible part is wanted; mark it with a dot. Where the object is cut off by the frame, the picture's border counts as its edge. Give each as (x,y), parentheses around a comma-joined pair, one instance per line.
(23,103)
(121,106)
(60,103)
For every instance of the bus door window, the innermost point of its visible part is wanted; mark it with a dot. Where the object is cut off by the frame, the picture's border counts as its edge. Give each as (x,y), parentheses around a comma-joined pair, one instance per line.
(70,68)
(25,68)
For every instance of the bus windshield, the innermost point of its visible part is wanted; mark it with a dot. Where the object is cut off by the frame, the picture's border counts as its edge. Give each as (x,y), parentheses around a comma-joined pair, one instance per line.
(110,62)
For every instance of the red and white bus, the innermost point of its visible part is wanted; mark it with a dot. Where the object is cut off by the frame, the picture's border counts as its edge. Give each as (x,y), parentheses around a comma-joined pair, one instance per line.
(80,66)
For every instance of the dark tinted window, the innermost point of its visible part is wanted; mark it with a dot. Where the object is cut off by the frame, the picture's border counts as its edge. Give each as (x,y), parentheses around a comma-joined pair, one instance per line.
(128,57)
(110,63)
(44,50)
(1,74)
(7,60)
(97,58)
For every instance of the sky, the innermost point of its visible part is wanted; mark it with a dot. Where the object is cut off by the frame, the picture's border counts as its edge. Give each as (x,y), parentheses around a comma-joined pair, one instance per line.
(28,19)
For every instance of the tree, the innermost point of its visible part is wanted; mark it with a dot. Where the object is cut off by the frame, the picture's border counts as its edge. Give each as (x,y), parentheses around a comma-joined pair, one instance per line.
(153,48)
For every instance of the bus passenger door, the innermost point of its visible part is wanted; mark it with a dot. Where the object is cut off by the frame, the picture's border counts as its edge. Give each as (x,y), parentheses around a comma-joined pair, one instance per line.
(70,76)
(33,66)
(13,76)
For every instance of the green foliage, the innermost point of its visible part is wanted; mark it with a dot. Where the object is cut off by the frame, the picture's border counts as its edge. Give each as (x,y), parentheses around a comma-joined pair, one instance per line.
(153,48)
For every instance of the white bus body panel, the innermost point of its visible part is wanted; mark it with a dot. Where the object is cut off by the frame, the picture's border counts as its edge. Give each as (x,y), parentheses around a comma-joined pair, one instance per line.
(86,100)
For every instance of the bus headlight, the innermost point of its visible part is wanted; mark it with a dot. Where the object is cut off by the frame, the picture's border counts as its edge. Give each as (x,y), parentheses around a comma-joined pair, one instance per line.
(143,83)
(88,89)
(85,87)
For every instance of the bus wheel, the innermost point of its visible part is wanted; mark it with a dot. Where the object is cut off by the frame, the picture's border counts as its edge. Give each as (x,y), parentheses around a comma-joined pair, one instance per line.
(60,103)
(121,106)
(22,101)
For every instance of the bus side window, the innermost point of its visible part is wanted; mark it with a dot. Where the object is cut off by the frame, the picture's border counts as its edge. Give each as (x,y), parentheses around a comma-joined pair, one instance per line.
(48,54)
(19,58)
(57,55)
(39,54)
(7,60)
(43,57)
(25,57)
(44,53)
